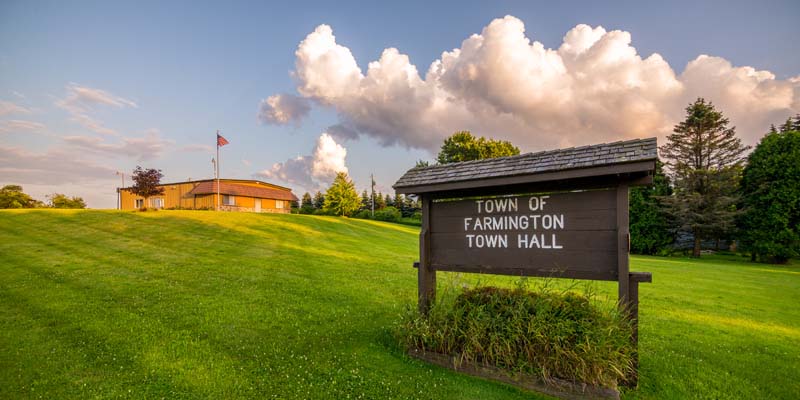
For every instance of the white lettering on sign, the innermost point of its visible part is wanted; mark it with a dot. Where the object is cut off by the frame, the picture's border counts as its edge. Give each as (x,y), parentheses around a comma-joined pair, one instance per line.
(533,223)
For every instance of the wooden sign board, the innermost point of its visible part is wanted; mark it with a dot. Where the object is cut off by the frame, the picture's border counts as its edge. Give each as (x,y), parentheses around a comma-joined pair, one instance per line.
(561,214)
(564,235)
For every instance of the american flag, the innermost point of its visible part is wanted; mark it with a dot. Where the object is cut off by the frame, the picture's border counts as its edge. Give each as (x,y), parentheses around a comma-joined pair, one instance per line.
(221,141)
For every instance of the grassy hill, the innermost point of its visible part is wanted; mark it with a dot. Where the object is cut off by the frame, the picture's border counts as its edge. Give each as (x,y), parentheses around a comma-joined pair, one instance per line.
(190,304)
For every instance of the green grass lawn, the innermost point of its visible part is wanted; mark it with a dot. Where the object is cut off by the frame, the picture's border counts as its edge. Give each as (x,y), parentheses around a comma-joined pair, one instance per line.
(191,304)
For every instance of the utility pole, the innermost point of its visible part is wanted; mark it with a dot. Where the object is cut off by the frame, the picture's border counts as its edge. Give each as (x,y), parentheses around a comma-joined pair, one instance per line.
(372,179)
(119,191)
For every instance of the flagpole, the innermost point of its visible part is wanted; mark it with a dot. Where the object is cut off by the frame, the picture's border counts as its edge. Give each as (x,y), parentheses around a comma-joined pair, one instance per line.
(217,140)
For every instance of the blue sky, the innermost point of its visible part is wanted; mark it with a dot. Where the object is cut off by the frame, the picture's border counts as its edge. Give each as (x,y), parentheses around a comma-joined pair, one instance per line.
(89,88)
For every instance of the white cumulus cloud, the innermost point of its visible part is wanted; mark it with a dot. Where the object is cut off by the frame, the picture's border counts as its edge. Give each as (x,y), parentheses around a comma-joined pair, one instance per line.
(314,171)
(281,109)
(594,87)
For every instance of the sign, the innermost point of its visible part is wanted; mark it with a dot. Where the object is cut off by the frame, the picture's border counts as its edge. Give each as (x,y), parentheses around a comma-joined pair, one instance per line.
(566,235)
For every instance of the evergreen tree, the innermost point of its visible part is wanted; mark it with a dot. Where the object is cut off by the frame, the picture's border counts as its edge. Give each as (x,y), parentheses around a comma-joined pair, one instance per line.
(306,204)
(319,200)
(791,125)
(366,205)
(388,201)
(651,231)
(462,146)
(341,198)
(380,201)
(399,203)
(770,187)
(705,158)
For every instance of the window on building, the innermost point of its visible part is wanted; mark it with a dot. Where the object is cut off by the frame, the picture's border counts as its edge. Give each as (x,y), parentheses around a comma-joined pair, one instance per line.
(228,200)
(139,203)
(157,202)
(278,203)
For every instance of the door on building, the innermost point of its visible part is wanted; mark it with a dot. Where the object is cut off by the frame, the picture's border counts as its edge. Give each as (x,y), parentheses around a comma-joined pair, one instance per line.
(258,205)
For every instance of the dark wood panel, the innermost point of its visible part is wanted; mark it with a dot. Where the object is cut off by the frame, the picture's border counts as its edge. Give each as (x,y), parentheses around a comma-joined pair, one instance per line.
(529,271)
(555,202)
(575,234)
(579,220)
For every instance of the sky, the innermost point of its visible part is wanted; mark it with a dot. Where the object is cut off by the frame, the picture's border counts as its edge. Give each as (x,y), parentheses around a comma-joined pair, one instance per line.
(303,90)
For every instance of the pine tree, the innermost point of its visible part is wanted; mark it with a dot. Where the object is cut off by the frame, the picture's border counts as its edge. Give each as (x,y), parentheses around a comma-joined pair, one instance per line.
(705,160)
(380,201)
(365,203)
(399,203)
(341,198)
(319,200)
(306,204)
(388,201)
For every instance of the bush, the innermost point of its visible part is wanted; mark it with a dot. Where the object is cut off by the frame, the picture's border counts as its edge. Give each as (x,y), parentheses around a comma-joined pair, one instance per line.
(389,214)
(363,214)
(544,333)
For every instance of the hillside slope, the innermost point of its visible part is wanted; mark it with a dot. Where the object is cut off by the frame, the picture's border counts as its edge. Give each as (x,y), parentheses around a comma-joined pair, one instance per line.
(191,304)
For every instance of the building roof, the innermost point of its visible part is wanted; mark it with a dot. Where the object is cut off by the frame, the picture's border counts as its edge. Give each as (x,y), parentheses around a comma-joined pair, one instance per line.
(226,180)
(210,187)
(426,179)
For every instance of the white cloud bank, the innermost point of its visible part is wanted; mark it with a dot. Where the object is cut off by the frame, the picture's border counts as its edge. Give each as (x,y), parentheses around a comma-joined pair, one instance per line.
(595,87)
(311,172)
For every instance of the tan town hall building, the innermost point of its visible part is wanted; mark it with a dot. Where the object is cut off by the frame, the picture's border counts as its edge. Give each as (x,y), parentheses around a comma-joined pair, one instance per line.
(234,195)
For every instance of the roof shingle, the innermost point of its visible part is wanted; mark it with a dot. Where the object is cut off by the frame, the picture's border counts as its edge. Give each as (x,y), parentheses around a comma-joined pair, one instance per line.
(532,163)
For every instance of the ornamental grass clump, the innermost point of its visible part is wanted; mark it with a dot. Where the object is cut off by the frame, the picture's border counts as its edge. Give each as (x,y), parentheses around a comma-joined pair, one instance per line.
(557,336)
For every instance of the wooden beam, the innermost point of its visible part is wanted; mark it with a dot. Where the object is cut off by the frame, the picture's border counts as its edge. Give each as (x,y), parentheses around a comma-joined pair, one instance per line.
(426,275)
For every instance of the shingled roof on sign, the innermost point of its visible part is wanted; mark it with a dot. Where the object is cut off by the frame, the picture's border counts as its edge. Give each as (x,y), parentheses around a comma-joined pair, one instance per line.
(600,155)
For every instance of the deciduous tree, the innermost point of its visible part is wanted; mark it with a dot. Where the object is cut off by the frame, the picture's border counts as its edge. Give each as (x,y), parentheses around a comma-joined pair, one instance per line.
(12,196)
(650,228)
(770,223)
(146,181)
(58,200)
(462,146)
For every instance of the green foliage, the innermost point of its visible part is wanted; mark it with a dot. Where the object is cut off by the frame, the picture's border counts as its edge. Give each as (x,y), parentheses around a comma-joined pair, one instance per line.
(705,158)
(58,200)
(319,200)
(770,224)
(422,163)
(650,228)
(543,332)
(388,214)
(12,196)
(462,146)
(306,204)
(341,198)
(146,181)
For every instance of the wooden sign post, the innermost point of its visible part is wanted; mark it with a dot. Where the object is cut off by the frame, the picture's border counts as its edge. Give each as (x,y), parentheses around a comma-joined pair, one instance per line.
(561,214)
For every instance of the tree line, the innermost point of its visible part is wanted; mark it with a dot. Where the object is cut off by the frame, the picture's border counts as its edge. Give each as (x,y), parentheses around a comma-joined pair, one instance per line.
(12,196)
(709,192)
(342,199)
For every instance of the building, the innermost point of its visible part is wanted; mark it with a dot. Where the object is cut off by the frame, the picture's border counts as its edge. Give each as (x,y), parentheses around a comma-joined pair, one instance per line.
(235,195)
